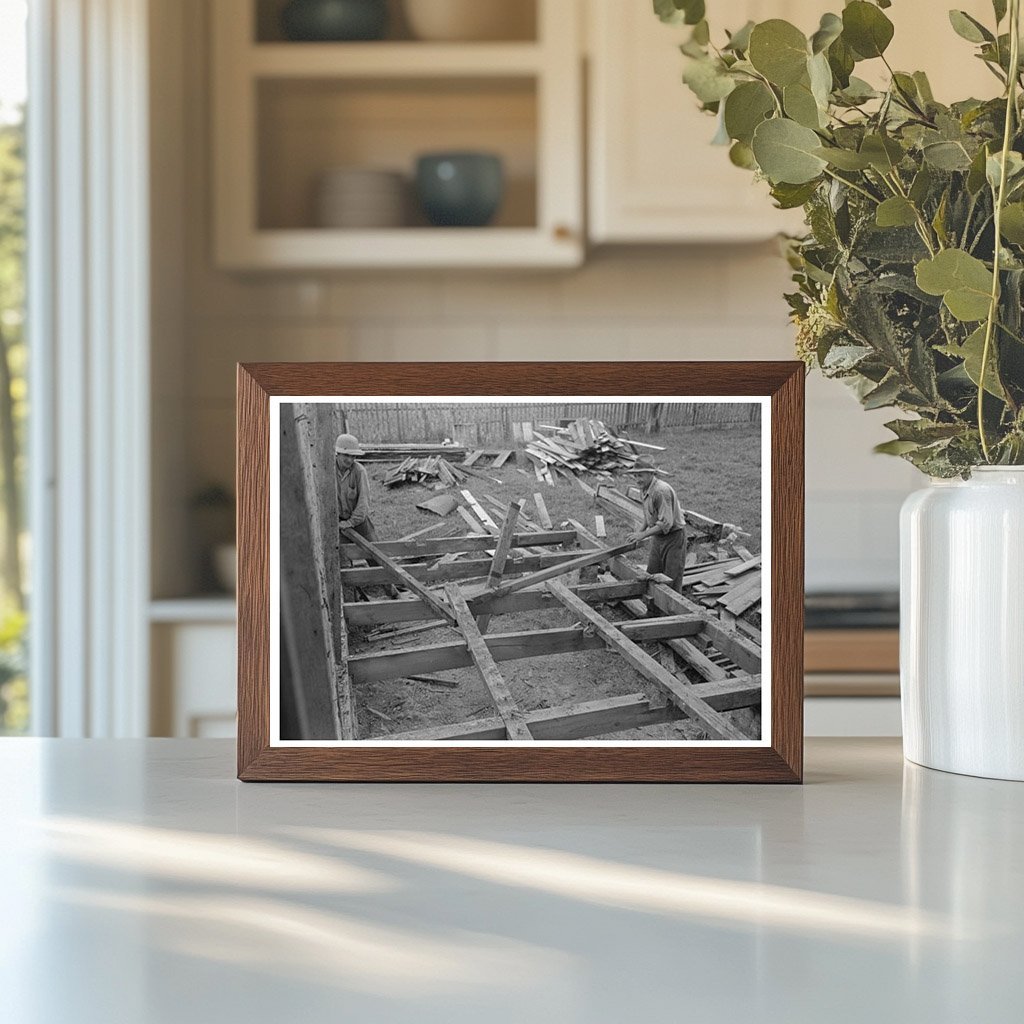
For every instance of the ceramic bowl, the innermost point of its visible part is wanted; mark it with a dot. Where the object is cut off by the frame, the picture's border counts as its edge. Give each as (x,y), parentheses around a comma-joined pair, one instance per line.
(460,189)
(470,20)
(334,20)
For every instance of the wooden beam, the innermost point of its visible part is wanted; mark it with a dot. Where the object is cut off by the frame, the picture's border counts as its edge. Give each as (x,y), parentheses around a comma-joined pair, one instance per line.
(577,562)
(741,651)
(599,528)
(398,574)
(696,709)
(599,717)
(509,712)
(379,613)
(457,545)
(471,521)
(364,576)
(345,717)
(535,643)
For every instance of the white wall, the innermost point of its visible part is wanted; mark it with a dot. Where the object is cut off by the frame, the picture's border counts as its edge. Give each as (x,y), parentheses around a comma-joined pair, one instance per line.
(655,303)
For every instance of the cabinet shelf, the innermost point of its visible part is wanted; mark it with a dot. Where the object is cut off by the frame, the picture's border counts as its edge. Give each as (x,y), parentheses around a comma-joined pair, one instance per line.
(286,114)
(393,60)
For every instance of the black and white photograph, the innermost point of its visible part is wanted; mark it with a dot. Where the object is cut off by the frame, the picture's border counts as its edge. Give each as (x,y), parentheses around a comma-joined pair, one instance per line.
(548,570)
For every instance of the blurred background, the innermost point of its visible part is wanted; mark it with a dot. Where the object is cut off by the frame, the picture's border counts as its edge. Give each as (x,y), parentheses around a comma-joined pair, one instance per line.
(252,180)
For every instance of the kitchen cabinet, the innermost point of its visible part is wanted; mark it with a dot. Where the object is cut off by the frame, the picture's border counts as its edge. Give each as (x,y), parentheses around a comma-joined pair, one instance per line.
(287,113)
(653,175)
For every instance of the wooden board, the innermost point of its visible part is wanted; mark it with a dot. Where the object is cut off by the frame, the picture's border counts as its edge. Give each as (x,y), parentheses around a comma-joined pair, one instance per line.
(717,726)
(479,511)
(542,511)
(509,712)
(576,562)
(471,521)
(377,613)
(367,576)
(599,528)
(458,545)
(501,555)
(535,643)
(501,458)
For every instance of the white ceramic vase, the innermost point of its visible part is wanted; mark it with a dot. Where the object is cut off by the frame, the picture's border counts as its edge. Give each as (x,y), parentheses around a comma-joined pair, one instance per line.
(962,624)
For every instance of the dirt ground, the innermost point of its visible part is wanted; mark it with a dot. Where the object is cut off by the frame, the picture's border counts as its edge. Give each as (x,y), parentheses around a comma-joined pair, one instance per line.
(715,472)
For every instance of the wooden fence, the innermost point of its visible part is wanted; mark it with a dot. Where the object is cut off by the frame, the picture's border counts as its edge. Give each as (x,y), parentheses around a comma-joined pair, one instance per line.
(501,423)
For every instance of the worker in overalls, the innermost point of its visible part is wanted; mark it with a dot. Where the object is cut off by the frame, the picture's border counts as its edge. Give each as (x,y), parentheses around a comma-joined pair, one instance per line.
(663,523)
(353,487)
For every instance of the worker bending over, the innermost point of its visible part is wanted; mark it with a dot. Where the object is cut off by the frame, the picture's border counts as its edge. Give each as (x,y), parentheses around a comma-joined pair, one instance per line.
(663,523)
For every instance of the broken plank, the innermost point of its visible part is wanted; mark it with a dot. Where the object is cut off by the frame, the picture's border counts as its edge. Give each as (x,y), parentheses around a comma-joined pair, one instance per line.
(397,574)
(420,533)
(599,529)
(479,511)
(696,709)
(471,521)
(501,458)
(377,613)
(536,643)
(470,459)
(739,570)
(542,510)
(450,684)
(509,712)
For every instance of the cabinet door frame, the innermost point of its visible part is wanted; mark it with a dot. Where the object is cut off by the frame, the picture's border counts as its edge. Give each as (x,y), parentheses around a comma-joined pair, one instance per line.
(617,210)
(553,63)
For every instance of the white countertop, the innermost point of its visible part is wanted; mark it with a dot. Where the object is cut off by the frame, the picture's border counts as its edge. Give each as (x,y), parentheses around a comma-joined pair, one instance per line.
(143,885)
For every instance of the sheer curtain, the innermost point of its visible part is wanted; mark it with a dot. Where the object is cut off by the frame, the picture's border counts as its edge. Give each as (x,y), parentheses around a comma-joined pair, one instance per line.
(88,301)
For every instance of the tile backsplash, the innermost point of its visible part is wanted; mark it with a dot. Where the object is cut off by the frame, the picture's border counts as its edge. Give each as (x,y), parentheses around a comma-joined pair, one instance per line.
(706,303)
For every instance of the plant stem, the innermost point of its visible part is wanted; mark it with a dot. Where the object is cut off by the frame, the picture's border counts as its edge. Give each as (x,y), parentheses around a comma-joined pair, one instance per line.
(855,187)
(993,309)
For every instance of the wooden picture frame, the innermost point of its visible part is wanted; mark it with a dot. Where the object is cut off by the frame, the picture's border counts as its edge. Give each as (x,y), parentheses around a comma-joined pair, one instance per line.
(777,757)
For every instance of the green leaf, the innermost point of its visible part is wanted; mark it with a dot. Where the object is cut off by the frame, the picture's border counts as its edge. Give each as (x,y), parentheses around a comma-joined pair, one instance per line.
(976,174)
(963,281)
(789,197)
(841,60)
(923,431)
(844,159)
(742,155)
(707,80)
(883,153)
(785,152)
(946,156)
(1012,223)
(820,76)
(745,108)
(921,185)
(739,41)
(924,88)
(701,33)
(676,12)
(778,50)
(800,105)
(969,28)
(885,394)
(896,212)
(829,30)
(866,29)
(858,91)
(999,7)
(971,352)
(1014,169)
(895,447)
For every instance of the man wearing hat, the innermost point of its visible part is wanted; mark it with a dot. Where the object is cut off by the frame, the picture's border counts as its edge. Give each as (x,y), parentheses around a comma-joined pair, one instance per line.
(353,487)
(663,523)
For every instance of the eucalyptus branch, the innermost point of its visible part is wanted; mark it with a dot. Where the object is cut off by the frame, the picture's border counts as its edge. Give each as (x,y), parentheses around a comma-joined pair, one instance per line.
(1000,198)
(853,185)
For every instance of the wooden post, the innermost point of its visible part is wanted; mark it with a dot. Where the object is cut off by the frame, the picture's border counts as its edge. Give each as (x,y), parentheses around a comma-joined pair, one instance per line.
(508,529)
(311,442)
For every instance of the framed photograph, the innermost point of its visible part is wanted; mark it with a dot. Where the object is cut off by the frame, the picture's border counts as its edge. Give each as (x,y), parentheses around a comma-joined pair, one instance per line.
(520,572)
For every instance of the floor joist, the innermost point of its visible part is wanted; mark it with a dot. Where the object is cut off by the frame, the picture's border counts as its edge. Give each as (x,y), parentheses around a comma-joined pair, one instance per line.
(378,613)
(368,668)
(368,576)
(716,726)
(599,717)
(456,545)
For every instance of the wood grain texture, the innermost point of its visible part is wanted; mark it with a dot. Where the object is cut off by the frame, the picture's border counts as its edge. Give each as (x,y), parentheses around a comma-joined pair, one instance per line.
(782,761)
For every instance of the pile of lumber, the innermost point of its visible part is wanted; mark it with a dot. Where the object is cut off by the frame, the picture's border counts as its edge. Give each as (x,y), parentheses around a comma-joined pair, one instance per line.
(731,587)
(399,452)
(583,446)
(432,472)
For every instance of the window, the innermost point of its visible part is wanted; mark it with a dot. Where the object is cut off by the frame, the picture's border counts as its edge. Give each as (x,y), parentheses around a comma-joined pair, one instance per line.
(14,548)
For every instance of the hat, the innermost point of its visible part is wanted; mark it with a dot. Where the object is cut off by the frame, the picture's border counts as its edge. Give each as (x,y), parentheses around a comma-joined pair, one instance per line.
(643,465)
(347,445)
